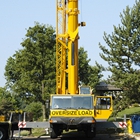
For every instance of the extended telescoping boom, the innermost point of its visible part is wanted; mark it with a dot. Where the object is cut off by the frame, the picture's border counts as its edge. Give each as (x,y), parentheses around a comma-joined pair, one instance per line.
(67,46)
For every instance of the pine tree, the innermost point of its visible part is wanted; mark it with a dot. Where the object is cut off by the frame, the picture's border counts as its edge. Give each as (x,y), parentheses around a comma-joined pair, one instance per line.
(123,53)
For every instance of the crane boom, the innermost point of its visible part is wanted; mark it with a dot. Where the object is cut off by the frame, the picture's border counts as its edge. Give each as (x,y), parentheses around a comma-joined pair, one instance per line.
(73,46)
(67,46)
(60,46)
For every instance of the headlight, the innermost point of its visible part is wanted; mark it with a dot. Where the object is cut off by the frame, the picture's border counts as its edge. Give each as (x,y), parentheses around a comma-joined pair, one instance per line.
(53,121)
(91,121)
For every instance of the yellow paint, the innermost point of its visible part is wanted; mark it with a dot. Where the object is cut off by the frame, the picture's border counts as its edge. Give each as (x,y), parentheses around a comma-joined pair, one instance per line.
(97,113)
(61,47)
(72,113)
(103,113)
(129,127)
(73,38)
(2,118)
(66,37)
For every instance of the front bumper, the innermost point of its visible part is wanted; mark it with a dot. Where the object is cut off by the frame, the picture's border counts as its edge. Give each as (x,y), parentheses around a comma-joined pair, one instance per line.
(72,120)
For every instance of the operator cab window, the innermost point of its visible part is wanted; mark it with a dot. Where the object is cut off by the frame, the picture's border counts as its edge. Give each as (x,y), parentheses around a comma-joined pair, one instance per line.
(103,103)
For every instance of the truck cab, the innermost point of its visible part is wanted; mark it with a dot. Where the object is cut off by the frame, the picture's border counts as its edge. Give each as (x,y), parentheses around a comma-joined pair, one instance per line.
(80,112)
(72,112)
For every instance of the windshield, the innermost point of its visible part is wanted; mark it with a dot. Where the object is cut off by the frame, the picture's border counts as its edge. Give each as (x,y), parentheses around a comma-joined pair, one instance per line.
(76,102)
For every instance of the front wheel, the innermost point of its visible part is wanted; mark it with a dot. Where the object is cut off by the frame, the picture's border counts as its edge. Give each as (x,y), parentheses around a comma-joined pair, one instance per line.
(91,134)
(3,134)
(53,133)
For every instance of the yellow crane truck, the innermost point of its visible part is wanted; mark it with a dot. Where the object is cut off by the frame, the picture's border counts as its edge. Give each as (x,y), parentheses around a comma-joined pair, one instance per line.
(73,107)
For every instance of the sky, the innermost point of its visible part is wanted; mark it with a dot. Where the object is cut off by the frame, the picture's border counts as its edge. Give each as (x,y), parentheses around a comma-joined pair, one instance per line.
(17,16)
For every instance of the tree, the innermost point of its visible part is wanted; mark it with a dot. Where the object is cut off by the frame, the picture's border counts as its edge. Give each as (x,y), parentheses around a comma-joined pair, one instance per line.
(83,65)
(95,75)
(35,109)
(6,102)
(123,53)
(89,75)
(31,71)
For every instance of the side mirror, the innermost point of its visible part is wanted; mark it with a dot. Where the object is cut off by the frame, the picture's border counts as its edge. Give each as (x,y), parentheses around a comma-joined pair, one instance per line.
(47,103)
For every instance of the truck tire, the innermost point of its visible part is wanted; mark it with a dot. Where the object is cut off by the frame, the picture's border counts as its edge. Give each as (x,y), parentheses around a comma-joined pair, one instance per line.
(53,133)
(90,134)
(3,134)
(59,132)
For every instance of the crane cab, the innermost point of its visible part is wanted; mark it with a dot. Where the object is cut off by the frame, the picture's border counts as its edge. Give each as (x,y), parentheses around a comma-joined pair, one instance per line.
(85,90)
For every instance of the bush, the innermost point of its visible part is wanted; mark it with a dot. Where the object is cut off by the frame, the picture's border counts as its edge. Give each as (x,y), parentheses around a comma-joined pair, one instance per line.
(135,105)
(36,109)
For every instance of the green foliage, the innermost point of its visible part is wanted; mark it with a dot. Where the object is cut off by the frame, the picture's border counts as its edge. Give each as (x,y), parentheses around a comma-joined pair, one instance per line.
(6,102)
(5,106)
(35,108)
(135,105)
(89,75)
(123,55)
(83,66)
(31,71)
(129,112)
(120,103)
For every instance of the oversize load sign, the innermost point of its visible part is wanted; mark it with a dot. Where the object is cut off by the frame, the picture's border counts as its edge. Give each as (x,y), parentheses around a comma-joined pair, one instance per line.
(72,113)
